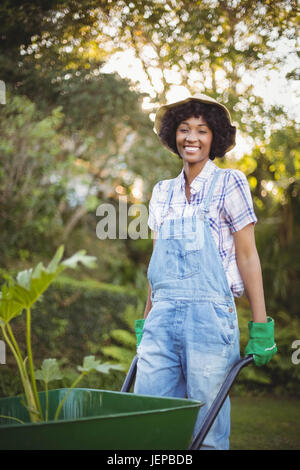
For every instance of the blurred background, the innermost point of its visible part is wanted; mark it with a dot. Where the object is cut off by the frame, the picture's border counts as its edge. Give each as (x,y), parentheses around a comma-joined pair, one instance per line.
(83,80)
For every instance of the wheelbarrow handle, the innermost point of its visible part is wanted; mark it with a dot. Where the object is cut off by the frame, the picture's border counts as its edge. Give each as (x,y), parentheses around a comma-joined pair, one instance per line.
(129,379)
(217,403)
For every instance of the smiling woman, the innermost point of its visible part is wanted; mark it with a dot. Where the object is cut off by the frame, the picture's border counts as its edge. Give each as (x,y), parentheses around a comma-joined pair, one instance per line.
(213,116)
(204,255)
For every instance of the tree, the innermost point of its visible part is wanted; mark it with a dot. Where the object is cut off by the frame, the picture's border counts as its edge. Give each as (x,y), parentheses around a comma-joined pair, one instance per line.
(273,170)
(56,60)
(33,178)
(201,42)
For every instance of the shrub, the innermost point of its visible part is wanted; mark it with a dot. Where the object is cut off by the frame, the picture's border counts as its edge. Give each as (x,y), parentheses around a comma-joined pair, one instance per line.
(72,320)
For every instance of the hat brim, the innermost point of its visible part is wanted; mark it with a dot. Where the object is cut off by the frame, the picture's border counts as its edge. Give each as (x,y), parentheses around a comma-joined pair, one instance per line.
(198,97)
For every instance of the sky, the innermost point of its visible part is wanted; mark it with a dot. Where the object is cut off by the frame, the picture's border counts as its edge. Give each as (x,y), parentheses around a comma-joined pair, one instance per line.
(271,85)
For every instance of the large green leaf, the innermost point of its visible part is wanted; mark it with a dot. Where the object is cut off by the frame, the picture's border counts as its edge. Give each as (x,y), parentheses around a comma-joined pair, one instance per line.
(80,257)
(90,364)
(9,308)
(49,371)
(54,263)
(31,284)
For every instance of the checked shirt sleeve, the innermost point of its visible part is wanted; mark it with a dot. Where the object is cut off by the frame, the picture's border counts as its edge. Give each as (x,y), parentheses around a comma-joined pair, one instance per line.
(238,204)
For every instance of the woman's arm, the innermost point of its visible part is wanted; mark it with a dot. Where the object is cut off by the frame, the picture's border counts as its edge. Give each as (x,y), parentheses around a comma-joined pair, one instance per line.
(250,269)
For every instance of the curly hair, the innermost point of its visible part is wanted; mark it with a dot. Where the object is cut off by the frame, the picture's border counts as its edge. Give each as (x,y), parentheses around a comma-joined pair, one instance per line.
(215,117)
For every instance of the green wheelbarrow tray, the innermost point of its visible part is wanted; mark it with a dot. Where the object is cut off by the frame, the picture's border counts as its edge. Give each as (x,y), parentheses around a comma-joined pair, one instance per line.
(105,420)
(99,419)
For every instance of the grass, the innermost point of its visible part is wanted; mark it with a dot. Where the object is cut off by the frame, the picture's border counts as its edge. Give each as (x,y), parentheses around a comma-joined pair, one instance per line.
(265,423)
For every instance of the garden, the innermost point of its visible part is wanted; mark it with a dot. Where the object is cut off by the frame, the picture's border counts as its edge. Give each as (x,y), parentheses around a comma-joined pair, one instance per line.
(79,85)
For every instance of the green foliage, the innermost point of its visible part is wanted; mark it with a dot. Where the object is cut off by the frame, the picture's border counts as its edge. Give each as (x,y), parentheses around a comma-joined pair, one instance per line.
(72,320)
(49,371)
(90,364)
(30,284)
(9,308)
(30,186)
(276,195)
(121,343)
(107,102)
(25,291)
(38,213)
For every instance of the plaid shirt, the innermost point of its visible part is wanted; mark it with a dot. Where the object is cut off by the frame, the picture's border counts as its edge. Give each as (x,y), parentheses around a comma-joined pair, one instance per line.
(230,210)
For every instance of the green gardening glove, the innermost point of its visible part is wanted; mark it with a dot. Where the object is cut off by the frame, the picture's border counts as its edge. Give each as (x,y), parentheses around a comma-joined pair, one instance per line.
(139,325)
(261,342)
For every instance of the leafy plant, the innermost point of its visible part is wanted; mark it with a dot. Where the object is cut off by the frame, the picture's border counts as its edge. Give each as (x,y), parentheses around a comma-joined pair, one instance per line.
(20,294)
(89,365)
(121,343)
(48,372)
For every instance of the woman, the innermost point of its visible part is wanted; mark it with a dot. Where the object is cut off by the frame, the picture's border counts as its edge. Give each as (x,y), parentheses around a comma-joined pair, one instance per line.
(204,255)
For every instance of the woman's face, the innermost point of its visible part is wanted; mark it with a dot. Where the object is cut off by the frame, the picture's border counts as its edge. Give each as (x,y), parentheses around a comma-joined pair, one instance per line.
(193,140)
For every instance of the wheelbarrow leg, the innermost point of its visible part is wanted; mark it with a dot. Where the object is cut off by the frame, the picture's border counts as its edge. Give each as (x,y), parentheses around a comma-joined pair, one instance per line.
(218,401)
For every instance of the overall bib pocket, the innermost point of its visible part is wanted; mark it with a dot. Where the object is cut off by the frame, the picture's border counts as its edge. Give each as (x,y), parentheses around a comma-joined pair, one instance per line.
(181,264)
(182,251)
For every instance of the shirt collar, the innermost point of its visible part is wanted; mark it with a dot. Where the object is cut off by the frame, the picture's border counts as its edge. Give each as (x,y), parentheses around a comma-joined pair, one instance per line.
(197,182)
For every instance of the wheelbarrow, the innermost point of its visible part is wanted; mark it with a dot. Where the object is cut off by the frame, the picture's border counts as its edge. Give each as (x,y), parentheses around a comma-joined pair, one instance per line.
(107,420)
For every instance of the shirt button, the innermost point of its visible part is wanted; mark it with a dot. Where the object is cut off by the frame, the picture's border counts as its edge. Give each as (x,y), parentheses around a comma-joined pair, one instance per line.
(231,310)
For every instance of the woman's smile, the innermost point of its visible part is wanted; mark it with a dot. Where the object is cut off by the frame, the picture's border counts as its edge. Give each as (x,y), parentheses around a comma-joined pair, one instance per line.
(190,149)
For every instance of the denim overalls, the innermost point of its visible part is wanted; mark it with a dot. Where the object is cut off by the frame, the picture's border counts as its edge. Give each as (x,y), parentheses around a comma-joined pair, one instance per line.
(190,336)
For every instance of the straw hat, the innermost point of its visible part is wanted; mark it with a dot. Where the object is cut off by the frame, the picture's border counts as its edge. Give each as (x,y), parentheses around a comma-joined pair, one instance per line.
(201,98)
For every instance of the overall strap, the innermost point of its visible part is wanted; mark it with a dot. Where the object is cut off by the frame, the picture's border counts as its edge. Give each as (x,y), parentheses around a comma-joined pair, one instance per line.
(211,189)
